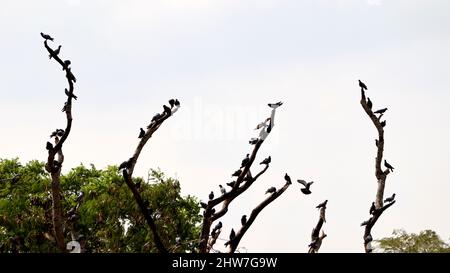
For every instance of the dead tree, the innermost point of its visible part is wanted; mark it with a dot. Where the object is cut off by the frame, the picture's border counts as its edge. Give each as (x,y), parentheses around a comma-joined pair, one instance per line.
(244,180)
(377,207)
(128,168)
(53,166)
(316,239)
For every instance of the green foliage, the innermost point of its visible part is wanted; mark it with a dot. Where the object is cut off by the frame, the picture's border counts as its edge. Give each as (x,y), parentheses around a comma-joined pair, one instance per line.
(426,241)
(106,214)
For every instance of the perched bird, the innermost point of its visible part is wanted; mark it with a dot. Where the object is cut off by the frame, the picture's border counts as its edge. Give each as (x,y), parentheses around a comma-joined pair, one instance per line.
(211,195)
(156,117)
(57,132)
(305,190)
(172,103)
(70,76)
(49,146)
(381,111)
(323,204)
(126,164)
(222,189)
(231,184)
(177,103)
(365,223)
(218,226)
(167,110)
(262,124)
(46,36)
(203,204)
(389,166)
(287,178)
(253,141)
(141,133)
(245,161)
(55,52)
(383,123)
(237,173)
(362,85)
(275,105)
(66,64)
(271,190)
(70,95)
(369,103)
(266,161)
(232,234)
(372,208)
(244,219)
(390,199)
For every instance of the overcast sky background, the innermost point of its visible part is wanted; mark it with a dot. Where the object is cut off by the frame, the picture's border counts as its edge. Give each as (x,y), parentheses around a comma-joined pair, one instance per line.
(225,60)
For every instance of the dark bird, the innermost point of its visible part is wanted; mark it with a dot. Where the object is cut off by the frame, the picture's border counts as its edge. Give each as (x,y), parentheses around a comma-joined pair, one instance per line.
(244,220)
(172,103)
(46,36)
(369,103)
(218,226)
(70,75)
(177,103)
(275,105)
(372,208)
(287,178)
(271,190)
(362,85)
(167,110)
(232,234)
(211,195)
(49,146)
(231,184)
(390,199)
(70,95)
(383,123)
(141,133)
(323,204)
(57,132)
(305,190)
(66,64)
(365,223)
(245,161)
(253,141)
(156,117)
(203,204)
(222,189)
(237,173)
(55,52)
(126,164)
(266,161)
(389,166)
(381,111)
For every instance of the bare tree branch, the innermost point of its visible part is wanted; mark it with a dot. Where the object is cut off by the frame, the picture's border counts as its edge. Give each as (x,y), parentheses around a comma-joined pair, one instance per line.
(316,240)
(379,173)
(54,166)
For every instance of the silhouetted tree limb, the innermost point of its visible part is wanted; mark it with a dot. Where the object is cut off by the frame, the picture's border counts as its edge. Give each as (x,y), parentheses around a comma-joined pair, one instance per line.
(54,166)
(316,240)
(379,173)
(128,176)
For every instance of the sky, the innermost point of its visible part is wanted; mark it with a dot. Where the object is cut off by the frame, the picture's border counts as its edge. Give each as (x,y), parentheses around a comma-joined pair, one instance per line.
(225,60)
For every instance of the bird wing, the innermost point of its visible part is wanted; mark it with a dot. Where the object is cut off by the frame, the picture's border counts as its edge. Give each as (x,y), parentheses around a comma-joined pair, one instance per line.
(301,181)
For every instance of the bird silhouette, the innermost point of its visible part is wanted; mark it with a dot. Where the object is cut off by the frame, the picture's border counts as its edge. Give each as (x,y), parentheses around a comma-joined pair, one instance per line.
(362,85)
(167,110)
(70,95)
(287,178)
(365,223)
(177,103)
(369,103)
(66,64)
(218,226)
(70,75)
(253,141)
(266,161)
(372,208)
(211,195)
(245,161)
(222,189)
(46,36)
(156,117)
(172,103)
(307,185)
(383,123)
(55,52)
(275,105)
(389,166)
(322,205)
(237,173)
(231,184)
(390,199)
(381,111)
(271,190)
(141,133)
(49,146)
(244,219)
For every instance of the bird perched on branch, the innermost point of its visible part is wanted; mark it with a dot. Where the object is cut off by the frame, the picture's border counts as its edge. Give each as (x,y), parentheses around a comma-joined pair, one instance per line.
(390,199)
(322,205)
(172,103)
(262,124)
(381,111)
(126,164)
(49,146)
(216,228)
(237,173)
(167,110)
(307,185)
(245,161)
(141,133)
(177,103)
(372,208)
(253,141)
(244,219)
(271,190)
(211,195)
(266,161)
(66,64)
(365,223)
(70,95)
(369,103)
(389,166)
(46,36)
(275,105)
(55,52)
(231,184)
(362,85)
(57,132)
(222,189)
(287,178)
(155,118)
(70,75)
(383,123)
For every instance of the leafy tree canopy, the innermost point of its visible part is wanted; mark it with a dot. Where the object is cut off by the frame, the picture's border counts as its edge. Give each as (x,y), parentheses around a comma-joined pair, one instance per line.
(426,241)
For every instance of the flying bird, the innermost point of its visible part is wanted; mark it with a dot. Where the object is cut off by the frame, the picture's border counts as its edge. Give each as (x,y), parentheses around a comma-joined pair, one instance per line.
(55,52)
(287,178)
(211,195)
(46,36)
(365,223)
(275,105)
(237,173)
(245,161)
(372,208)
(244,219)
(141,133)
(49,146)
(167,110)
(390,199)
(271,190)
(369,103)
(222,189)
(266,161)
(172,103)
(253,141)
(323,204)
(70,95)
(305,190)
(389,166)
(381,111)
(383,123)
(362,85)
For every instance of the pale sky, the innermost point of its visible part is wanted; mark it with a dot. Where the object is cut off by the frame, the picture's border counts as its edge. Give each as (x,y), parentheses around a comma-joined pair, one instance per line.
(225,60)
